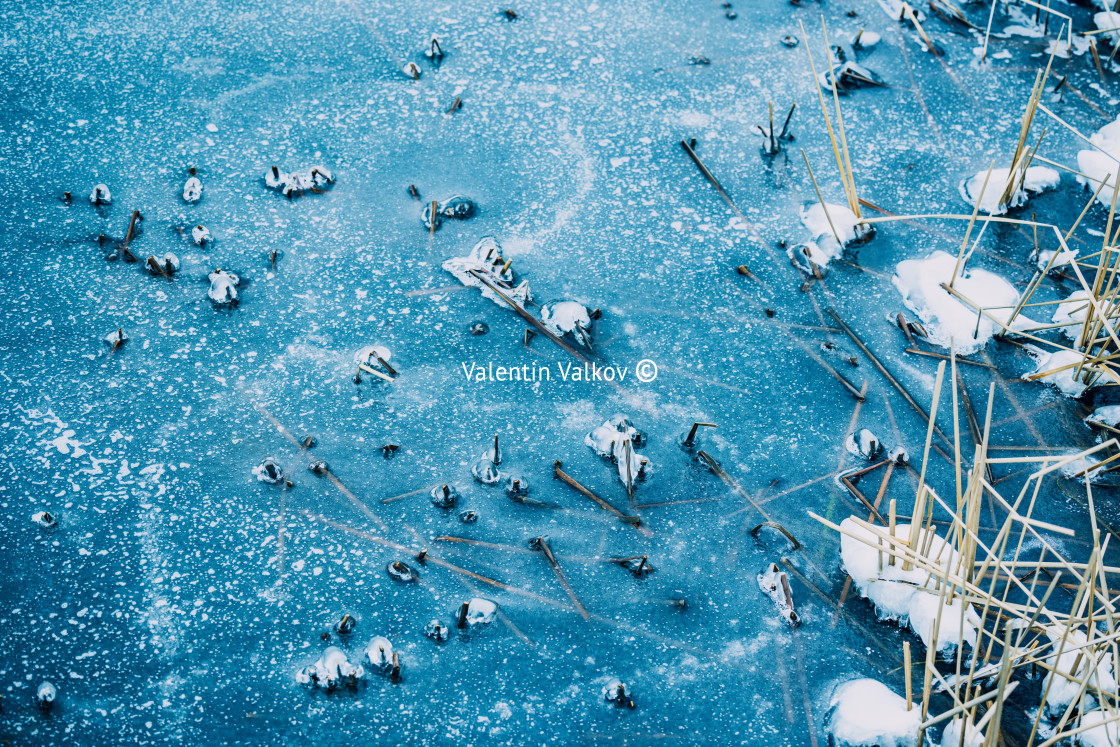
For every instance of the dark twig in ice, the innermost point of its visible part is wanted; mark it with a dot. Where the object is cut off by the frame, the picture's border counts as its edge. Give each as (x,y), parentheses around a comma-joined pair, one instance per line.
(128,255)
(857,393)
(887,374)
(730,482)
(521,312)
(633,521)
(781,529)
(883,647)
(690,438)
(942,356)
(540,543)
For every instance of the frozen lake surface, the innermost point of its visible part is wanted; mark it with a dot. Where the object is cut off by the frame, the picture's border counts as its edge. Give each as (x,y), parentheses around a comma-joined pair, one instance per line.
(179,595)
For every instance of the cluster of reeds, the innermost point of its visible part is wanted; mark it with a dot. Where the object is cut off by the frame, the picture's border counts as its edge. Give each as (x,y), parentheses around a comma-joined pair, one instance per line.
(1010,581)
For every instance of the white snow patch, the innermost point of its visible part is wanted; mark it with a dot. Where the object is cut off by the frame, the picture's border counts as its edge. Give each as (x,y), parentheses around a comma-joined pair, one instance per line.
(1038,179)
(946,318)
(907,596)
(866,712)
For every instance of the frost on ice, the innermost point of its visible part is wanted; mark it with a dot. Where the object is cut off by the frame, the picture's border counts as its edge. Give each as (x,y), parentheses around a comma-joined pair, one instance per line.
(477,611)
(167,265)
(1076,663)
(44,519)
(100,195)
(775,584)
(617,440)
(45,695)
(568,318)
(1100,728)
(380,652)
(269,471)
(444,496)
(293,184)
(864,444)
(484,267)
(485,469)
(1071,314)
(1057,367)
(331,670)
(944,316)
(192,190)
(454,208)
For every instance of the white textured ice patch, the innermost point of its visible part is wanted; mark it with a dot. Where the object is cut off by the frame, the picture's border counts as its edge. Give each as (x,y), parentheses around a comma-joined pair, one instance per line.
(1038,179)
(1101,162)
(866,712)
(947,319)
(907,596)
(1062,364)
